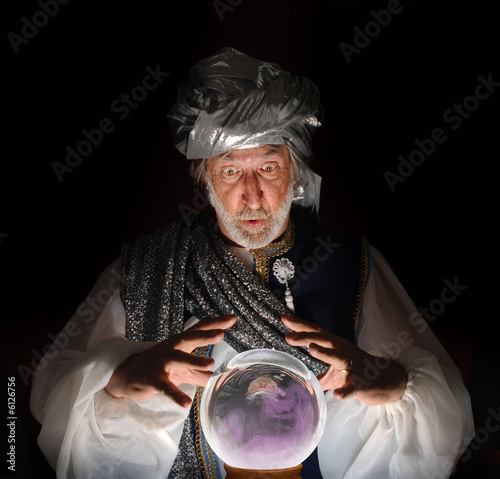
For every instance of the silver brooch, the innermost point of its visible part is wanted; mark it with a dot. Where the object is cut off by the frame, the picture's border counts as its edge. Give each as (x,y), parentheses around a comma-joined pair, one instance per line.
(284,270)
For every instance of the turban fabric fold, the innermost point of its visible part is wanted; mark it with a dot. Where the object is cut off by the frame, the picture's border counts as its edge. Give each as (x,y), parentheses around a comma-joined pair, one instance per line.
(234,101)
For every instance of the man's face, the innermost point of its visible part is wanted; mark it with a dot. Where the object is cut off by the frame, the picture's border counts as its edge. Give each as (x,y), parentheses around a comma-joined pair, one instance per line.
(263,385)
(251,190)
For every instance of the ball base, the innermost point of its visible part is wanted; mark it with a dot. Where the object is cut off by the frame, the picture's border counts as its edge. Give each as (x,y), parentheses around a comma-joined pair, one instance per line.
(237,473)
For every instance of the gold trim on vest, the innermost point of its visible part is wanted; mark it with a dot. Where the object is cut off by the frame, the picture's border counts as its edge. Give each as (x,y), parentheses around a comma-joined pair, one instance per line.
(264,254)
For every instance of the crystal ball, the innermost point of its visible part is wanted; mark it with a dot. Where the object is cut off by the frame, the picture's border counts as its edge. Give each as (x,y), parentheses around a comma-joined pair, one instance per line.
(263,409)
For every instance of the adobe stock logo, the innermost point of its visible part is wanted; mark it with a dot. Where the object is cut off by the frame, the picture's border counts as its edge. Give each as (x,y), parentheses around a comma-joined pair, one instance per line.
(121,106)
(454,118)
(223,6)
(363,37)
(30,27)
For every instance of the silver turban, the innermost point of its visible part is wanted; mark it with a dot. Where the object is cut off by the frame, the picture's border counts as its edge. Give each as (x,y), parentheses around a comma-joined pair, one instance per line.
(232,101)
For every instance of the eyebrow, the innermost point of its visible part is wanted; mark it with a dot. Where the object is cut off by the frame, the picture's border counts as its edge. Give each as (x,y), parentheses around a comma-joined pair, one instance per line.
(271,150)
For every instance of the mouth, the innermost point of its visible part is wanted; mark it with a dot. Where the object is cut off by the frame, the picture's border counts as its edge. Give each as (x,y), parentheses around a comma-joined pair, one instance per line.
(253,224)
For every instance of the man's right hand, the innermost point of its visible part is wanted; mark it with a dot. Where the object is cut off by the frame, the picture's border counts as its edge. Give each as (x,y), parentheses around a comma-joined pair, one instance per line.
(170,363)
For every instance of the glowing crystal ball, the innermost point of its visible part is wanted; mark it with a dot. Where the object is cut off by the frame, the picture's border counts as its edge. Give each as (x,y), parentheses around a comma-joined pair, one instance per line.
(263,409)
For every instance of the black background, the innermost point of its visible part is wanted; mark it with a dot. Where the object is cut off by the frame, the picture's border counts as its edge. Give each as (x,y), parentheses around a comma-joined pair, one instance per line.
(56,236)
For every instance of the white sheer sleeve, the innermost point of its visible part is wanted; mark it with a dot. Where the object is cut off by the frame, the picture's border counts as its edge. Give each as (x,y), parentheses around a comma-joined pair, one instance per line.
(418,436)
(85,432)
(422,434)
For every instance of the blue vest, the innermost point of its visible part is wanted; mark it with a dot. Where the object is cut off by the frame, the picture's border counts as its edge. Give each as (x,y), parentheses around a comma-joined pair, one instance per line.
(331,270)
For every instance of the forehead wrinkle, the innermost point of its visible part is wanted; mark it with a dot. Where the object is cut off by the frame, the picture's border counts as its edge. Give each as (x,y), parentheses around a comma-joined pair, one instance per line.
(265,150)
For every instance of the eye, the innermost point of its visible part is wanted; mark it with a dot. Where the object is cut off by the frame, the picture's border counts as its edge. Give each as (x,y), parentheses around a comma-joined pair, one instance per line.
(229,170)
(269,167)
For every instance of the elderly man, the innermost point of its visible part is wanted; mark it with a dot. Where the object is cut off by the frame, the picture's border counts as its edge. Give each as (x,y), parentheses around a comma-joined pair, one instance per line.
(119,400)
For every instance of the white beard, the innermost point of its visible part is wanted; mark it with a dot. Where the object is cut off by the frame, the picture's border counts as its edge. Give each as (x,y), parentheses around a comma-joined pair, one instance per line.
(236,228)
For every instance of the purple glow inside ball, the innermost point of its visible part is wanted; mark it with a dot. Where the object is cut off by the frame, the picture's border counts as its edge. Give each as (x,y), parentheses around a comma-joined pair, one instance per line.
(263,410)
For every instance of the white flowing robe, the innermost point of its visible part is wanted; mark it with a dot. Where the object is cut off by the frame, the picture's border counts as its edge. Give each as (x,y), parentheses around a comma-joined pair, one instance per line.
(87,433)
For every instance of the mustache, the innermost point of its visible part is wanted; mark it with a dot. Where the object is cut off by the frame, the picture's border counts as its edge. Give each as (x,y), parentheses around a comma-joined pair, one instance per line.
(249,214)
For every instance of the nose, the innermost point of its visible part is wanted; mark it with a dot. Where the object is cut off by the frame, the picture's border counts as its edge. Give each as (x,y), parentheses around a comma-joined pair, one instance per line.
(252,192)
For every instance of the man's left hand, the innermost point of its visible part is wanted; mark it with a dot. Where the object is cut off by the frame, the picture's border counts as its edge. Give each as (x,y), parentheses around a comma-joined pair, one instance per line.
(347,374)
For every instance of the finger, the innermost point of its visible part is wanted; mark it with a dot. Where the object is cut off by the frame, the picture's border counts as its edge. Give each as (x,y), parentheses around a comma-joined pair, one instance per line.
(345,392)
(221,322)
(191,339)
(299,325)
(330,356)
(174,393)
(204,333)
(200,378)
(181,359)
(306,339)
(324,381)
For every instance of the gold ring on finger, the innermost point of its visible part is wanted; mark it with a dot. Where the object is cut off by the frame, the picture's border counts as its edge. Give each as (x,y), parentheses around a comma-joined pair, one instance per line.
(346,370)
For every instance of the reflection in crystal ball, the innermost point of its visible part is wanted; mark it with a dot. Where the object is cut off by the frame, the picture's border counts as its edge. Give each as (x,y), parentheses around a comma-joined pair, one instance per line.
(263,409)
